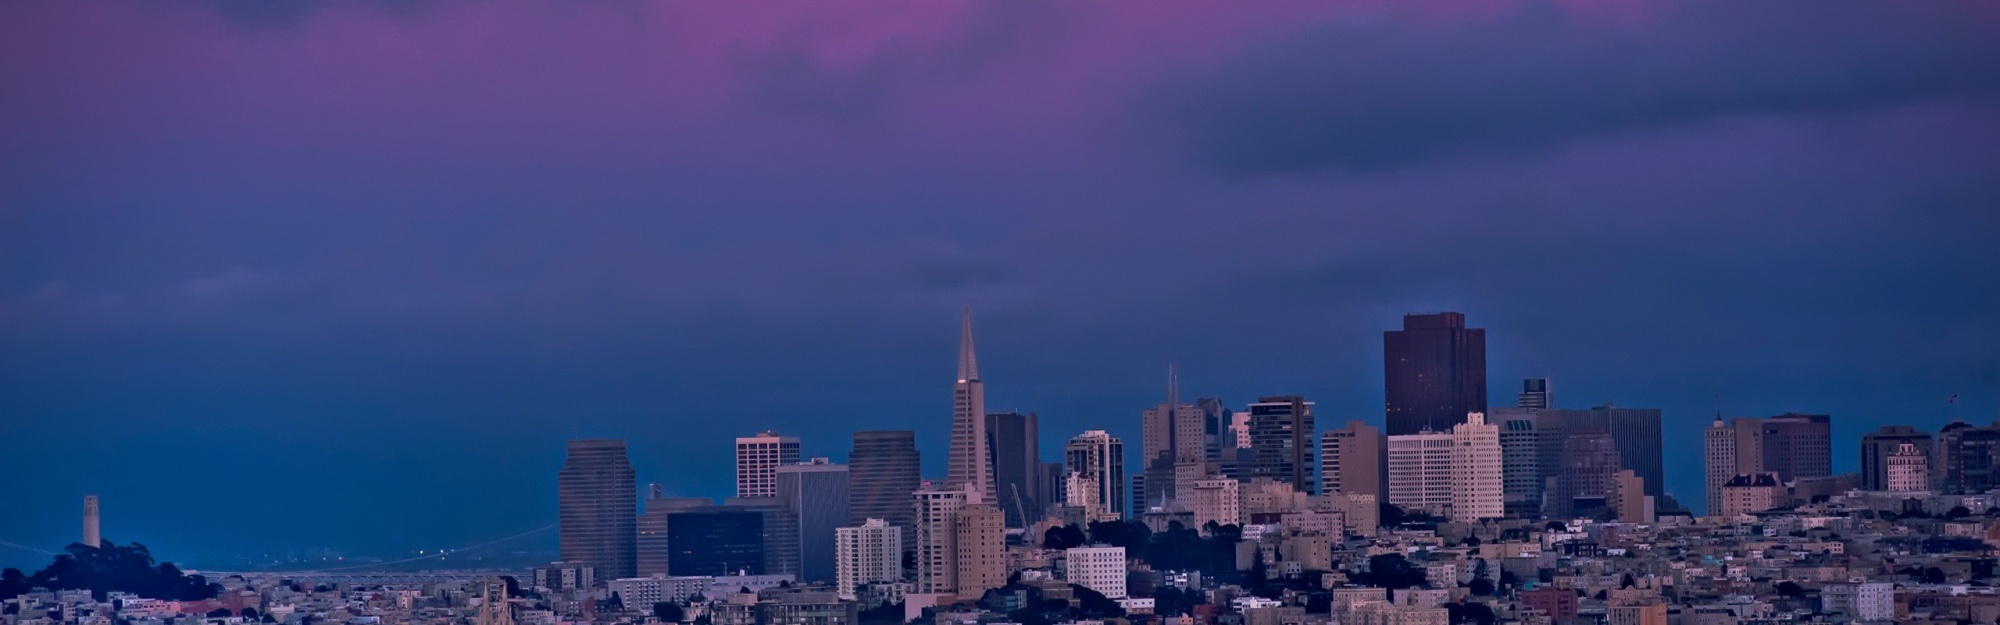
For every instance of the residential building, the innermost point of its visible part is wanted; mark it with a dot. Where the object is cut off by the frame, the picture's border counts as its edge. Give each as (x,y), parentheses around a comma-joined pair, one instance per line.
(1352,460)
(936,550)
(597,508)
(1434,373)
(1217,500)
(756,459)
(979,543)
(867,553)
(1101,569)
(1907,470)
(1420,471)
(1879,445)
(1476,488)
(1752,492)
(1281,440)
(1792,445)
(1643,614)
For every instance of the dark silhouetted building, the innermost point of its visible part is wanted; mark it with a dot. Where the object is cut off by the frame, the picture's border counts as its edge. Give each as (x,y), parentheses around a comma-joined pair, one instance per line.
(716,540)
(1017,465)
(597,508)
(1636,432)
(1969,455)
(882,475)
(1281,441)
(1880,445)
(1534,393)
(655,553)
(1590,466)
(1434,373)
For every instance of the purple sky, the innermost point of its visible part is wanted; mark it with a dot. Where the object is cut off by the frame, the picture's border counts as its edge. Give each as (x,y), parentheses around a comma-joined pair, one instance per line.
(353,271)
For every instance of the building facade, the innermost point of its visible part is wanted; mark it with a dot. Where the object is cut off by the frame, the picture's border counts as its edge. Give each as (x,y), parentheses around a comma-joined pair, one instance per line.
(1420,471)
(816,494)
(1098,568)
(597,508)
(757,457)
(1096,463)
(1879,445)
(936,549)
(1908,470)
(865,554)
(882,473)
(1434,373)
(1352,460)
(1217,500)
(1281,441)
(1017,463)
(1476,485)
(979,543)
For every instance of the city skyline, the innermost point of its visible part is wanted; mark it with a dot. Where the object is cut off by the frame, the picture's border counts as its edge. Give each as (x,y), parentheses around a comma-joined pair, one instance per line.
(376,266)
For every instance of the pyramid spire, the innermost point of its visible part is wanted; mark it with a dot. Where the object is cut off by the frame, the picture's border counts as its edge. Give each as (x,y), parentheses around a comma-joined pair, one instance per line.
(968,362)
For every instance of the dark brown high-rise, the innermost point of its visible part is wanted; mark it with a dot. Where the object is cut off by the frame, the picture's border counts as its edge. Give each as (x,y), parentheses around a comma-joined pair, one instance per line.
(597,508)
(1435,373)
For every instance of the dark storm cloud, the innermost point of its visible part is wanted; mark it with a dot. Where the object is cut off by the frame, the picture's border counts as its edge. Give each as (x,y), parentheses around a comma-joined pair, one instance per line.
(1366,93)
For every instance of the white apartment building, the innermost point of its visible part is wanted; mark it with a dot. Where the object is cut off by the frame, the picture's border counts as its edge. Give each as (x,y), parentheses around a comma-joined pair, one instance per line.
(1420,471)
(867,553)
(1477,489)
(1909,470)
(757,461)
(1098,568)
(646,591)
(937,546)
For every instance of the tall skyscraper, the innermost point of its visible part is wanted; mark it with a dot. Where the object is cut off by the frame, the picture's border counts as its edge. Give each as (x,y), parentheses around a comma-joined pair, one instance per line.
(1096,462)
(1281,440)
(1353,461)
(1054,479)
(1017,465)
(937,538)
(882,472)
(1790,445)
(1420,471)
(1535,393)
(867,553)
(1215,421)
(968,462)
(1476,486)
(783,553)
(1636,432)
(1435,373)
(1970,457)
(597,508)
(1879,445)
(90,529)
(757,457)
(714,540)
(1522,475)
(1588,477)
(1170,433)
(817,493)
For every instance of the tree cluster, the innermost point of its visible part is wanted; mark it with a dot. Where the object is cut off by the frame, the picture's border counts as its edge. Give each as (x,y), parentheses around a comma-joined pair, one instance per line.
(1178,548)
(111,568)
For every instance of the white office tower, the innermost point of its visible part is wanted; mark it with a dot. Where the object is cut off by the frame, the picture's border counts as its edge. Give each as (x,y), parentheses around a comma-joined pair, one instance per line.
(757,461)
(1217,500)
(1098,568)
(868,553)
(90,529)
(1420,471)
(937,548)
(1477,490)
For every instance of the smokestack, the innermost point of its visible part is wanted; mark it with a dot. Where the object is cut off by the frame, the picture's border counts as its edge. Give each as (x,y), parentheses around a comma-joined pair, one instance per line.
(90,521)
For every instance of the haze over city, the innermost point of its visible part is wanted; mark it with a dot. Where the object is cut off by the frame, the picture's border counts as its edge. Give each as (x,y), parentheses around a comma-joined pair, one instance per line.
(281,277)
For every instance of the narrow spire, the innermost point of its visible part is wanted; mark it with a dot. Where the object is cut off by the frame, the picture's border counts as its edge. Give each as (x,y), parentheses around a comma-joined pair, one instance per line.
(968,362)
(1173,388)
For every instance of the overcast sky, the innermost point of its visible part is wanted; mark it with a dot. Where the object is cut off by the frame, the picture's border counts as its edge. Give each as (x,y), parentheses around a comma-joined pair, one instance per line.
(281,275)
